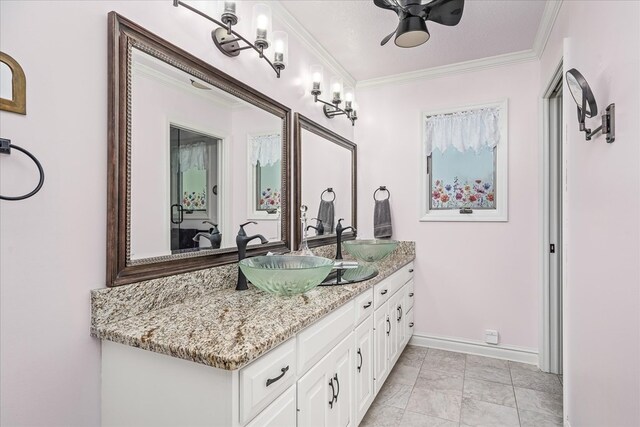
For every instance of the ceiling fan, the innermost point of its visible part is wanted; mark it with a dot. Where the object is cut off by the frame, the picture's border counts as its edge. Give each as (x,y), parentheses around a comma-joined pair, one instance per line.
(413,14)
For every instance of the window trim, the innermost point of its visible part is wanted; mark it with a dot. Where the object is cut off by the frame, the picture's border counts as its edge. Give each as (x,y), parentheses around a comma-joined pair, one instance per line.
(500,213)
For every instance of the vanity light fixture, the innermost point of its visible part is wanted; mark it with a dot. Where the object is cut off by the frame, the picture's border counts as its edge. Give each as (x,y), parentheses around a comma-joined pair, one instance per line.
(587,107)
(228,40)
(337,90)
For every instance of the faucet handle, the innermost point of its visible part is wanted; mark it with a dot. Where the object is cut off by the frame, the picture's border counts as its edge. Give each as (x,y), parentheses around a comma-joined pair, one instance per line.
(241,232)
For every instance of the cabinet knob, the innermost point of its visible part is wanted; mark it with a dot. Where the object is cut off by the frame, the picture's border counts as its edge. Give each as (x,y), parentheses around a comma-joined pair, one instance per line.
(411,270)
(367,305)
(411,324)
(384,291)
(410,294)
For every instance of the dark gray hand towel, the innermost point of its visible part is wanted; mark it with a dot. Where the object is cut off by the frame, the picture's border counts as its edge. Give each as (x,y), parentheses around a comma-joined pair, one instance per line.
(382,220)
(326,215)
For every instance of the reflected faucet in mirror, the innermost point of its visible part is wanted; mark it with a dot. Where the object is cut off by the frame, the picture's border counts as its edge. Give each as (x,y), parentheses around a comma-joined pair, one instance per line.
(339,230)
(242,240)
(319,227)
(214,235)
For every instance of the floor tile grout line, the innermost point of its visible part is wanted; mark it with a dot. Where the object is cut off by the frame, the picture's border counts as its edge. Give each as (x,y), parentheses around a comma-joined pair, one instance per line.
(513,389)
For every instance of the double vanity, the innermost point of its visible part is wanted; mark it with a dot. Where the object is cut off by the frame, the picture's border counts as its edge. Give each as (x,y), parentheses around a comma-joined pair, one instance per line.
(188,337)
(317,358)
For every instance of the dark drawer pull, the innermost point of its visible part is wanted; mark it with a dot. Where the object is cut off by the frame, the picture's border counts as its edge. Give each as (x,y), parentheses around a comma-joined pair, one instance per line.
(384,291)
(360,365)
(337,386)
(410,294)
(388,323)
(273,380)
(333,393)
(367,305)
(411,324)
(411,270)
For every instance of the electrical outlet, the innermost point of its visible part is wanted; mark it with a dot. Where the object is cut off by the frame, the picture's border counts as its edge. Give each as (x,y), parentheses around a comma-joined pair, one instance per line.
(5,146)
(491,336)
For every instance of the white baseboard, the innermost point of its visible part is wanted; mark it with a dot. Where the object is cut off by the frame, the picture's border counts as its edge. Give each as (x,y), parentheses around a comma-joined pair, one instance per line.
(516,354)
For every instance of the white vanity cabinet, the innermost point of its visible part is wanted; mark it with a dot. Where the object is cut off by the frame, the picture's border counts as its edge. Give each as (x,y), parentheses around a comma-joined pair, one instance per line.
(325,393)
(328,374)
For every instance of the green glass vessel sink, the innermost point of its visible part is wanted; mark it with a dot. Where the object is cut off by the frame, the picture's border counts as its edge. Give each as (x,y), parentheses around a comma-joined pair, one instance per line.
(370,250)
(286,274)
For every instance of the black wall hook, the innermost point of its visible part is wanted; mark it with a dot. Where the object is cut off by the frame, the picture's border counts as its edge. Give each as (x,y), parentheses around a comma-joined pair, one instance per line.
(328,190)
(5,148)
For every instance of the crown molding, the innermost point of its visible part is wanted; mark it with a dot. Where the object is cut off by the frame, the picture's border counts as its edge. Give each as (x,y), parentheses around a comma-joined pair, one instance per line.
(446,70)
(551,10)
(310,42)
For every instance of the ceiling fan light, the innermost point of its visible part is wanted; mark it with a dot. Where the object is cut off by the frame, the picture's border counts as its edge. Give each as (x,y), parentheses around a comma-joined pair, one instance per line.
(412,31)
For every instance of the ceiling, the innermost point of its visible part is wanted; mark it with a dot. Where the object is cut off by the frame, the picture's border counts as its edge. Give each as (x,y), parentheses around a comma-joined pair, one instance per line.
(351,31)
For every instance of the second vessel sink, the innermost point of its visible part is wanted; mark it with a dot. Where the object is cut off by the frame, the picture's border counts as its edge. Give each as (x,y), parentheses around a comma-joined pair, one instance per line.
(371,250)
(286,274)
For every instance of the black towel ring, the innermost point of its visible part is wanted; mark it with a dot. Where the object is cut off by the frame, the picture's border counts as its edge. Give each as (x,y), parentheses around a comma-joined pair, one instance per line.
(6,146)
(328,190)
(382,188)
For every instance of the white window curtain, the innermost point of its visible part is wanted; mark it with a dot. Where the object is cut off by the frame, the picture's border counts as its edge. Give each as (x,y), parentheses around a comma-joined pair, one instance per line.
(465,130)
(265,149)
(194,156)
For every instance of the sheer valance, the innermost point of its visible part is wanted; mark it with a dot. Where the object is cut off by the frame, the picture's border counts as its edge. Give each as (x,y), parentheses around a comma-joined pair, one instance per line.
(194,156)
(465,130)
(265,149)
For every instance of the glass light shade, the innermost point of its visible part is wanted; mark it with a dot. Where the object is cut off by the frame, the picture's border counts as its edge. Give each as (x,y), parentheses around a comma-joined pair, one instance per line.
(348,98)
(316,78)
(336,88)
(261,24)
(225,10)
(280,48)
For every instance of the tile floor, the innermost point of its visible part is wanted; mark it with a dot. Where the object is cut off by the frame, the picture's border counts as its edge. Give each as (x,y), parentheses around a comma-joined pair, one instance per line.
(430,387)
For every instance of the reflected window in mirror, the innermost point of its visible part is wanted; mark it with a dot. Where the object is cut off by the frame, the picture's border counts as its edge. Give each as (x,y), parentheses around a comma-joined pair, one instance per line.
(265,180)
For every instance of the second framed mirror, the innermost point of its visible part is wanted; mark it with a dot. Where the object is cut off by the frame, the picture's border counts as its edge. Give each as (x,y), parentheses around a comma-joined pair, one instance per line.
(326,170)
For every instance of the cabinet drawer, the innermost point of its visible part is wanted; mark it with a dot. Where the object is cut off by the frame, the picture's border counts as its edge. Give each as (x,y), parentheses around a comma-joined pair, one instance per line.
(409,297)
(319,338)
(364,306)
(281,413)
(390,285)
(266,378)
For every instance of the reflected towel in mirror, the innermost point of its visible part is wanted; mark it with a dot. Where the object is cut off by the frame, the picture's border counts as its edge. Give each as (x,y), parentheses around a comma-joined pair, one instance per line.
(326,215)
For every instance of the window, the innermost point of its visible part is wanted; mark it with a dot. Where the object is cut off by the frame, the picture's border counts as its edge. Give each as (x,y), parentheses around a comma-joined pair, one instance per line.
(464,164)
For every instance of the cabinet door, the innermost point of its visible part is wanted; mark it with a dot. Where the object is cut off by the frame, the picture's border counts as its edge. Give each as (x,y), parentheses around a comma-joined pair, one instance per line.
(342,412)
(314,395)
(281,412)
(394,315)
(380,342)
(364,368)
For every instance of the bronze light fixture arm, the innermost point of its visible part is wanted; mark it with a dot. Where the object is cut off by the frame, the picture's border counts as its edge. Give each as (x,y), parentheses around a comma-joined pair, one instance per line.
(332,110)
(228,27)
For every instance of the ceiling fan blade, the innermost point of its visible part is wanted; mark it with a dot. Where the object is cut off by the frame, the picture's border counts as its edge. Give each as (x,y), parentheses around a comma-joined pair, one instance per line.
(383,4)
(445,12)
(386,39)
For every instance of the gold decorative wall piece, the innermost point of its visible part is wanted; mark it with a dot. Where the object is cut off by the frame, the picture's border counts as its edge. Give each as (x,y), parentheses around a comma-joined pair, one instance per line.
(18,101)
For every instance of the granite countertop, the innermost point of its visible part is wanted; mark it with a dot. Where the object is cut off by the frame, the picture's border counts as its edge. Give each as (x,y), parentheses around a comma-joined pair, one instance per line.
(227,329)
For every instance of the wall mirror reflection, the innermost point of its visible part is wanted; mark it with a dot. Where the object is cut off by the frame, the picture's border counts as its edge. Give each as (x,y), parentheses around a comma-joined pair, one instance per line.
(326,173)
(204,154)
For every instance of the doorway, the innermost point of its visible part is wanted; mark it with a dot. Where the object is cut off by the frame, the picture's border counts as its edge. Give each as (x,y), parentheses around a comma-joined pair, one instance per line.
(552,244)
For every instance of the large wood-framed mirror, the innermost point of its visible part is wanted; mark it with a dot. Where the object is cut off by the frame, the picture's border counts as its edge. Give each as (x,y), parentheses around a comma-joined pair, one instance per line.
(326,177)
(193,153)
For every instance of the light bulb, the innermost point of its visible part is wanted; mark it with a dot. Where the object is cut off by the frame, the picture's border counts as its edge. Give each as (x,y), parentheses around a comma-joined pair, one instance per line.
(262,22)
(336,87)
(348,97)
(279,46)
(317,77)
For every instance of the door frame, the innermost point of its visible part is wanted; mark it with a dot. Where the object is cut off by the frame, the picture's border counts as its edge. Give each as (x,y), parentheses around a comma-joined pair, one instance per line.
(550,326)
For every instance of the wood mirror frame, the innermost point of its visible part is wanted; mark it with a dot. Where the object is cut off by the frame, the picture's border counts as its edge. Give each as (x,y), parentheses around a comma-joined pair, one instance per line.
(301,123)
(124,35)
(18,102)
